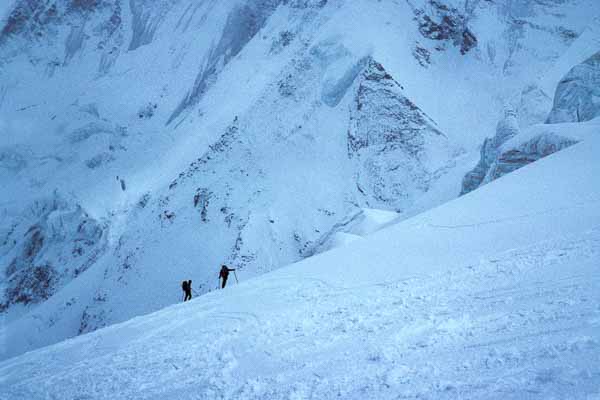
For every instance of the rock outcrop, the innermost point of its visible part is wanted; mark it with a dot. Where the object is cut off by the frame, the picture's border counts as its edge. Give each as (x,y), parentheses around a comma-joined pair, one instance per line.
(391,141)
(96,24)
(577,96)
(51,243)
(500,155)
(445,23)
(527,152)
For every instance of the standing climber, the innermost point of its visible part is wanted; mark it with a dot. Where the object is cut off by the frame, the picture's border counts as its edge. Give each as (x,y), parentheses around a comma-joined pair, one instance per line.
(224,274)
(187,289)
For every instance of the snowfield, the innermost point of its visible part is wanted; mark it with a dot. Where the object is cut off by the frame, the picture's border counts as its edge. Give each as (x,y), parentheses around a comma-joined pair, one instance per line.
(143,142)
(318,147)
(494,295)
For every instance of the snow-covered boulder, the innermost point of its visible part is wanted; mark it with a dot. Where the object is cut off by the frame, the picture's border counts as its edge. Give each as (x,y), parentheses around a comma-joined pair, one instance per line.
(577,96)
(507,128)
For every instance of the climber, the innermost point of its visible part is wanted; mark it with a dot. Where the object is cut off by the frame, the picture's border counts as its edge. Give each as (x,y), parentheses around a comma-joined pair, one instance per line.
(224,274)
(186,286)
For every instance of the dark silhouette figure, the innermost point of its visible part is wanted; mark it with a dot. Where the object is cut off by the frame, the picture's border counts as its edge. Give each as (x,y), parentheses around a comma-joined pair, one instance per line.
(224,274)
(187,289)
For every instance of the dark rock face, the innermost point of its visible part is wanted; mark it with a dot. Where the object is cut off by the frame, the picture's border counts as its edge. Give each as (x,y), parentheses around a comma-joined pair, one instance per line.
(33,285)
(201,202)
(400,121)
(284,40)
(94,23)
(53,242)
(422,55)
(577,94)
(390,138)
(36,19)
(444,23)
(25,13)
(506,129)
(498,160)
(532,150)
(215,151)
(468,41)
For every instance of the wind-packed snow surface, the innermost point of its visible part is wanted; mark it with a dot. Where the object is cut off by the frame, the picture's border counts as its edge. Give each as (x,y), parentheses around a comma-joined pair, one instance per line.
(494,295)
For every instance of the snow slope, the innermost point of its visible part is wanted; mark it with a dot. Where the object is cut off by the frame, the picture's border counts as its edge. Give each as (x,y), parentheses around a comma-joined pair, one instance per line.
(144,142)
(493,295)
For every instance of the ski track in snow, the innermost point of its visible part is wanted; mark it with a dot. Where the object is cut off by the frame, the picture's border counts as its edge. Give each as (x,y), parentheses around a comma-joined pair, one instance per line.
(523,324)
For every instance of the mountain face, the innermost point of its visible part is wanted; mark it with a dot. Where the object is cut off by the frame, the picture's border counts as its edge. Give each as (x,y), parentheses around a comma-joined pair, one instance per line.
(491,295)
(147,142)
(62,243)
(575,100)
(397,149)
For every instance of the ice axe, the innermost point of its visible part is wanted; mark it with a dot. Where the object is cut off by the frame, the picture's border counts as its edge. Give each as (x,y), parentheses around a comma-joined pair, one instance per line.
(236,279)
